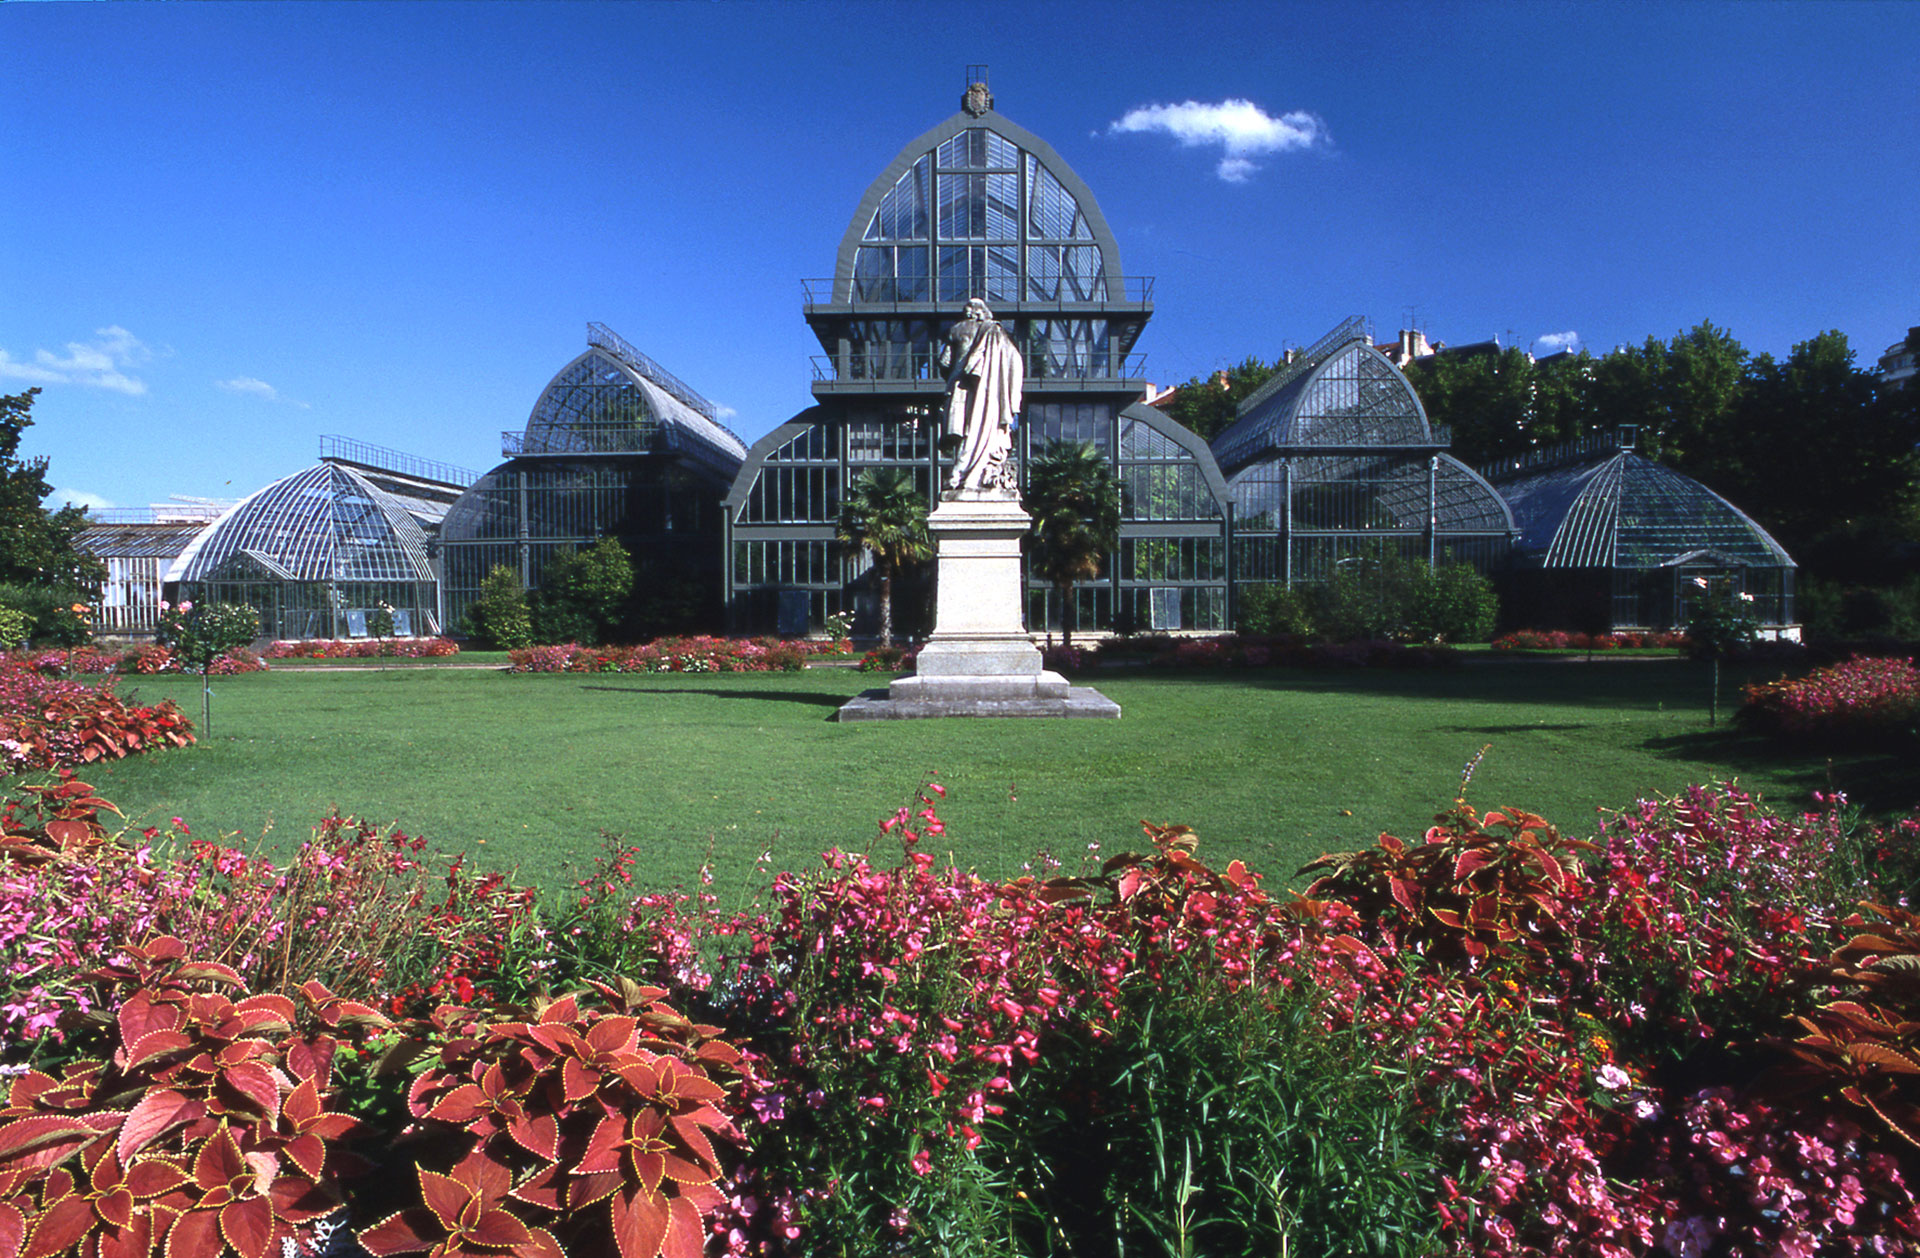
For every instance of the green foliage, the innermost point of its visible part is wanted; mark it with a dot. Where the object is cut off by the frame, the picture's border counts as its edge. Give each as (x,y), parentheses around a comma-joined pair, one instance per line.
(1720,620)
(36,545)
(1207,407)
(499,616)
(199,634)
(1076,505)
(51,620)
(1405,601)
(885,513)
(14,627)
(1267,610)
(581,594)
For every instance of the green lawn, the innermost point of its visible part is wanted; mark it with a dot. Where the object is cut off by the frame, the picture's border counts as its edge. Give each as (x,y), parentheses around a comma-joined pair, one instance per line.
(1273,767)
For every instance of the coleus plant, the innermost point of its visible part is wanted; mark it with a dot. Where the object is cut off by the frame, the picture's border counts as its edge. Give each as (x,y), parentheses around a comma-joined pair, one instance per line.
(51,820)
(589,1121)
(202,1131)
(1474,883)
(1862,1047)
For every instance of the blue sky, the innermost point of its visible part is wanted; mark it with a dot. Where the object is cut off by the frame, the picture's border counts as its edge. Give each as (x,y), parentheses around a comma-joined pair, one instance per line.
(230,228)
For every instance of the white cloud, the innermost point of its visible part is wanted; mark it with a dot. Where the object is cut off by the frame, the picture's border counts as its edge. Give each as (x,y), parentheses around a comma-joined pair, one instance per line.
(723,412)
(77,498)
(252,387)
(98,364)
(1555,341)
(1241,128)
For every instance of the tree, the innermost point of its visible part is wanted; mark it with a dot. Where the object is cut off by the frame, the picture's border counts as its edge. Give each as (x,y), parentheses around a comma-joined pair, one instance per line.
(201,635)
(1207,406)
(885,512)
(582,592)
(1076,505)
(37,545)
(1503,404)
(499,615)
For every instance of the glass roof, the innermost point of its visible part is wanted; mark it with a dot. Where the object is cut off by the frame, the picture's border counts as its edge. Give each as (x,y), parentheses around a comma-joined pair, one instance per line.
(1626,511)
(959,219)
(328,523)
(605,402)
(1351,397)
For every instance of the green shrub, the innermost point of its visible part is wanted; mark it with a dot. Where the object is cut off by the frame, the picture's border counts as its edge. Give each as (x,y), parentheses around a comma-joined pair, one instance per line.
(14,626)
(1270,610)
(581,594)
(499,616)
(1404,600)
(1452,603)
(51,619)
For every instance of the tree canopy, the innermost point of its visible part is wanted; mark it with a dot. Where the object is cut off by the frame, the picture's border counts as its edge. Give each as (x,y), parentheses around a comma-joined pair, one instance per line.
(1207,405)
(36,545)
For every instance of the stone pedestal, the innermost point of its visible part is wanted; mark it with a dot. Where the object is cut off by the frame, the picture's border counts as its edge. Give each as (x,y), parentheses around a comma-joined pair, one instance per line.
(980,660)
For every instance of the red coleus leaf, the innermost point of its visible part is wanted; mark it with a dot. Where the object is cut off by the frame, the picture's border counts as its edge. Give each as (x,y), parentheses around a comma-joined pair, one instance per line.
(695,1139)
(156,1113)
(539,1244)
(538,1134)
(487,1179)
(58,1227)
(141,1016)
(409,1231)
(686,1237)
(1469,861)
(296,1200)
(565,1009)
(135,1240)
(578,1080)
(219,1162)
(612,1034)
(309,1153)
(40,1141)
(460,1106)
(248,1226)
(254,1086)
(209,972)
(543,1189)
(445,1197)
(603,1148)
(499,1229)
(114,1208)
(151,1177)
(585,1190)
(1405,893)
(153,1046)
(640,1221)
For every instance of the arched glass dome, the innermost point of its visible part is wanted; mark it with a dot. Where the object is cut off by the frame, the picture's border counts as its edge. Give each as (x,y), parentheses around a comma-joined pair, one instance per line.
(313,554)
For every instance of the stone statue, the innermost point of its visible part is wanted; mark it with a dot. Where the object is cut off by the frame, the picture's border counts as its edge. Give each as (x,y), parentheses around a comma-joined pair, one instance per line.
(985,378)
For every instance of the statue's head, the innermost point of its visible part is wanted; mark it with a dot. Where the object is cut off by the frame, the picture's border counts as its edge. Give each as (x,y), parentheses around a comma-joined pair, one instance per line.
(978,309)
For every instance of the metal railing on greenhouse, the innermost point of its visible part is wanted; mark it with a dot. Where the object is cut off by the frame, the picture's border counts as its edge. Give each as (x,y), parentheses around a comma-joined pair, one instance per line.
(922,290)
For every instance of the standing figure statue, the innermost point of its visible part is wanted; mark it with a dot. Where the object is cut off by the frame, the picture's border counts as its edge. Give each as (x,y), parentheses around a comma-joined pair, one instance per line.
(985,379)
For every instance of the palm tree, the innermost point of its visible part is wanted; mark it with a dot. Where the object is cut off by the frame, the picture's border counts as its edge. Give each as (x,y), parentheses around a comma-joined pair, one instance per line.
(885,511)
(1076,505)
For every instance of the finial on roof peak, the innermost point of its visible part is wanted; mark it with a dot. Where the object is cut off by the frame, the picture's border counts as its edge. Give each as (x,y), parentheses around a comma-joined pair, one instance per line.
(977,99)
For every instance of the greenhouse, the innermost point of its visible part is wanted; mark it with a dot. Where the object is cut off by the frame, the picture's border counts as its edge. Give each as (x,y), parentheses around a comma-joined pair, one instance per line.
(616,446)
(1612,540)
(975,207)
(1332,462)
(315,555)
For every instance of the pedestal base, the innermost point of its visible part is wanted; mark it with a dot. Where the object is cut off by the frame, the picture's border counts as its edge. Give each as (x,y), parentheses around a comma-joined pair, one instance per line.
(881,705)
(980,660)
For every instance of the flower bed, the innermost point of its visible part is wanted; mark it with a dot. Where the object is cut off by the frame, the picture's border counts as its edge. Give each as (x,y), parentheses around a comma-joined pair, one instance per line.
(48,723)
(1237,650)
(1491,1039)
(362,649)
(1864,700)
(1566,640)
(674,655)
(147,660)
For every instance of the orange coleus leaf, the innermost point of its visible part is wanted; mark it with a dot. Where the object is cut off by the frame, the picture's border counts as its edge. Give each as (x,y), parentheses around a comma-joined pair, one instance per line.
(1885,1058)
(498,1229)
(445,1197)
(612,1034)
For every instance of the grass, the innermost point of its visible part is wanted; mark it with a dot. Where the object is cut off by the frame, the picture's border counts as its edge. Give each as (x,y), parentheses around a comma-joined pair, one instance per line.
(1272,767)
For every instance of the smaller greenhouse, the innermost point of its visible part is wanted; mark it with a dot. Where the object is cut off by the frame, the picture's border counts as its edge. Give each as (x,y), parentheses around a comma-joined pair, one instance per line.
(315,554)
(1333,462)
(1612,540)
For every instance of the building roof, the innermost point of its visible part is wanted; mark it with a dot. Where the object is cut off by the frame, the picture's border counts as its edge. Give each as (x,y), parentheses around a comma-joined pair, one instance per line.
(1618,509)
(328,523)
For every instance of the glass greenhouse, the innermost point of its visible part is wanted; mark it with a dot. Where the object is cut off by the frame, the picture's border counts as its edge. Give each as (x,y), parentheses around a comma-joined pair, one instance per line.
(1612,540)
(976,207)
(617,447)
(1333,461)
(313,554)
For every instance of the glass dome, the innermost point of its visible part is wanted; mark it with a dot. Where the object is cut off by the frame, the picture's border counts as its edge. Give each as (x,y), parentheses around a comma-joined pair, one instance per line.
(313,554)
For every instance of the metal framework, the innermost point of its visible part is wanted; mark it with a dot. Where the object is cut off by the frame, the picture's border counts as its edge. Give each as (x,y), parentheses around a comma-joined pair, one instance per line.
(1596,514)
(975,207)
(313,554)
(616,446)
(1333,461)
